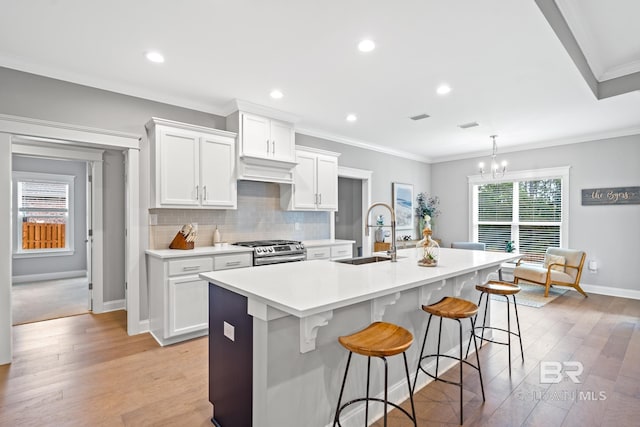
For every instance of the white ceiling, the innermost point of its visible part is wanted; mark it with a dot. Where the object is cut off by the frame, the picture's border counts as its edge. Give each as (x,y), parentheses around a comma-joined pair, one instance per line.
(508,69)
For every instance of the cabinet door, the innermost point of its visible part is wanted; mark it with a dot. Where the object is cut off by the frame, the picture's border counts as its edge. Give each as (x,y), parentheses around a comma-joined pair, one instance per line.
(304,178)
(178,172)
(327,182)
(188,305)
(255,136)
(217,172)
(282,141)
(318,253)
(341,251)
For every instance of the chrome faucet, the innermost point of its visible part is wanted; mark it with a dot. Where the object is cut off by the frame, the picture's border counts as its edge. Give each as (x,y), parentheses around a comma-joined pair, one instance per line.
(391,252)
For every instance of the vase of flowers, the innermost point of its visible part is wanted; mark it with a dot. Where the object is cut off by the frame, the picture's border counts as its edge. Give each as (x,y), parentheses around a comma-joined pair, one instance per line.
(426,207)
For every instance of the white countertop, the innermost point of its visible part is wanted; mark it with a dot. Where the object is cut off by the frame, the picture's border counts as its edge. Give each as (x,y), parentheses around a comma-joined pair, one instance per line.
(311,287)
(198,250)
(326,242)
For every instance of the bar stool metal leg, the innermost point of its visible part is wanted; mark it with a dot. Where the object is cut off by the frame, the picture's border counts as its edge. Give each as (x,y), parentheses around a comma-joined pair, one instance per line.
(515,307)
(344,381)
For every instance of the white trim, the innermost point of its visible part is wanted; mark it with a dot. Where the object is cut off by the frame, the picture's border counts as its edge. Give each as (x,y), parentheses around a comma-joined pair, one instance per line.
(365,176)
(116,305)
(610,291)
(41,147)
(65,133)
(562,172)
(6,341)
(97,245)
(134,258)
(362,144)
(28,278)
(69,243)
(143,326)
(261,110)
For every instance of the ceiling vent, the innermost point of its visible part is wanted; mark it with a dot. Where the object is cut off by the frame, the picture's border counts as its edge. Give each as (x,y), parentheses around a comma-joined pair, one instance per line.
(420,117)
(468,125)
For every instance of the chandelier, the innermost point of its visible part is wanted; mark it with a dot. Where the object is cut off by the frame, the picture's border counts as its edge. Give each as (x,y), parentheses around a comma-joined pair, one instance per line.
(497,170)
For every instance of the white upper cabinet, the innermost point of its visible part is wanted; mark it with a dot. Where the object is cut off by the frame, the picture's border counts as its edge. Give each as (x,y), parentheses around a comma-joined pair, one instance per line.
(266,142)
(191,166)
(315,182)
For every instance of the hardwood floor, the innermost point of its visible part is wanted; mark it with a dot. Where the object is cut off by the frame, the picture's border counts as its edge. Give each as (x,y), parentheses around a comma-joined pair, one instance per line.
(85,370)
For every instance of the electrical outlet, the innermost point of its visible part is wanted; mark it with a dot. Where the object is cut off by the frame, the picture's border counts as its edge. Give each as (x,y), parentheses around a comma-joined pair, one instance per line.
(153,219)
(297,226)
(229,331)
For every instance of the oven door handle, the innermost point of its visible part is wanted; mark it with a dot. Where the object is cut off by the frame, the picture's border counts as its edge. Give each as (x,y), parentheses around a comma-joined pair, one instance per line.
(278,259)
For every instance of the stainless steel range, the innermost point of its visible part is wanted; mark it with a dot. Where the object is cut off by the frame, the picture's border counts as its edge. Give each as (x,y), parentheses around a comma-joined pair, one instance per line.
(275,251)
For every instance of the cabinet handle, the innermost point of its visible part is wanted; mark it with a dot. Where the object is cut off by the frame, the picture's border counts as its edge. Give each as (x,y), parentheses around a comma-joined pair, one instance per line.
(267,146)
(319,255)
(320,198)
(195,267)
(231,263)
(197,193)
(273,147)
(204,192)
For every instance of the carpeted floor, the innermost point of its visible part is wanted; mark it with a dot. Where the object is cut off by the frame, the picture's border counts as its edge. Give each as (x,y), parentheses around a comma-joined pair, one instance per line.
(533,295)
(51,299)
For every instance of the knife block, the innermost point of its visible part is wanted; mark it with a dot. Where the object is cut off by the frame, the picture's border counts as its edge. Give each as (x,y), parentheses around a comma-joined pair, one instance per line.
(179,242)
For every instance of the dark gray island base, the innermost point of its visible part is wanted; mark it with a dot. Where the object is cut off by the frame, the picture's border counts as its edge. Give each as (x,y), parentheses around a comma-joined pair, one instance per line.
(230,362)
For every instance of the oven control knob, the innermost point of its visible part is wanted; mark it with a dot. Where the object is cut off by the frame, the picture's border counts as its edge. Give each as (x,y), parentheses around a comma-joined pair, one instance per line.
(298,247)
(271,249)
(258,250)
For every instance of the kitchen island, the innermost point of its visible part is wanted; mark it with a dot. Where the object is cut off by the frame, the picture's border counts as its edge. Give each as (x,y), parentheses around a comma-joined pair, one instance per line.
(274,356)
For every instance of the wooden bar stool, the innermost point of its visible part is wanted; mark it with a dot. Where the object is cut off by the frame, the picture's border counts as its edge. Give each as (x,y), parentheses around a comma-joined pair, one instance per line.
(380,339)
(456,309)
(505,289)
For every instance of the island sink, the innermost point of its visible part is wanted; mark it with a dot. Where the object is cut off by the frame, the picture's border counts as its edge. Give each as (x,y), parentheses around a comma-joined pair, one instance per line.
(363,260)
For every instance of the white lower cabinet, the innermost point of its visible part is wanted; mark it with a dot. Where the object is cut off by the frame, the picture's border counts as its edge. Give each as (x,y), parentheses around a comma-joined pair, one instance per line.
(179,299)
(188,305)
(332,251)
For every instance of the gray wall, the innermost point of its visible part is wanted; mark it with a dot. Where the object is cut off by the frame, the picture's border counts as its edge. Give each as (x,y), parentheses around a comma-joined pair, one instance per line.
(56,264)
(609,234)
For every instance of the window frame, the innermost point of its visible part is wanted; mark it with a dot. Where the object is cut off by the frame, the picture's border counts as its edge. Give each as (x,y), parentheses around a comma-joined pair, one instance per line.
(561,173)
(69,249)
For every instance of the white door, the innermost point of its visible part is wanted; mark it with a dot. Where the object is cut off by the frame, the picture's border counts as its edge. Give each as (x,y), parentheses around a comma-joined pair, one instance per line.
(89,237)
(327,182)
(255,136)
(282,141)
(188,305)
(305,181)
(179,168)
(217,171)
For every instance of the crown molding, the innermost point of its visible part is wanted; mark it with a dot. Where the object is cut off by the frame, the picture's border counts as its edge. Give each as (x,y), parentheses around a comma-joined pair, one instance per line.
(361,144)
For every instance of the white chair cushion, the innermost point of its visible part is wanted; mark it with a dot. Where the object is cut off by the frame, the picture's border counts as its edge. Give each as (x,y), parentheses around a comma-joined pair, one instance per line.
(554,259)
(539,274)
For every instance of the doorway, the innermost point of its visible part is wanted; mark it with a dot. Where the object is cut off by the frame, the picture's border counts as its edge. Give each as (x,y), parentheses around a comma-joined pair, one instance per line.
(354,198)
(52,217)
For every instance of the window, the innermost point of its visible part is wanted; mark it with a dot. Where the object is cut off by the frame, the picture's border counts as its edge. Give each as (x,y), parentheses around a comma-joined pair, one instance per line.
(43,214)
(527,207)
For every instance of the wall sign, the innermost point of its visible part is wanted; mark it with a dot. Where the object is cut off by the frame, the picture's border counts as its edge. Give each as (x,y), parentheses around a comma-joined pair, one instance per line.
(611,196)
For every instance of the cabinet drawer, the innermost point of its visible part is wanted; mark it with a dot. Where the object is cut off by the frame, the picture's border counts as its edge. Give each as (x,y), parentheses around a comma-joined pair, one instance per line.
(190,266)
(225,262)
(341,251)
(318,253)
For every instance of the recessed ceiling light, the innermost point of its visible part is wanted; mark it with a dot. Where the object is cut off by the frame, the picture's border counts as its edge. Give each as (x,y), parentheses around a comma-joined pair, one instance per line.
(352,117)
(276,94)
(443,89)
(155,57)
(366,45)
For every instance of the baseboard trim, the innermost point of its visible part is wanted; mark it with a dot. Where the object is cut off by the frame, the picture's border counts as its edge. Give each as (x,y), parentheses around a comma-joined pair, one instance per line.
(108,306)
(143,326)
(609,291)
(48,276)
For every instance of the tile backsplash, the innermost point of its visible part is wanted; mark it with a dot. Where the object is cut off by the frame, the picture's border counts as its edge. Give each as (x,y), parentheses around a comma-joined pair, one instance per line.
(258,217)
